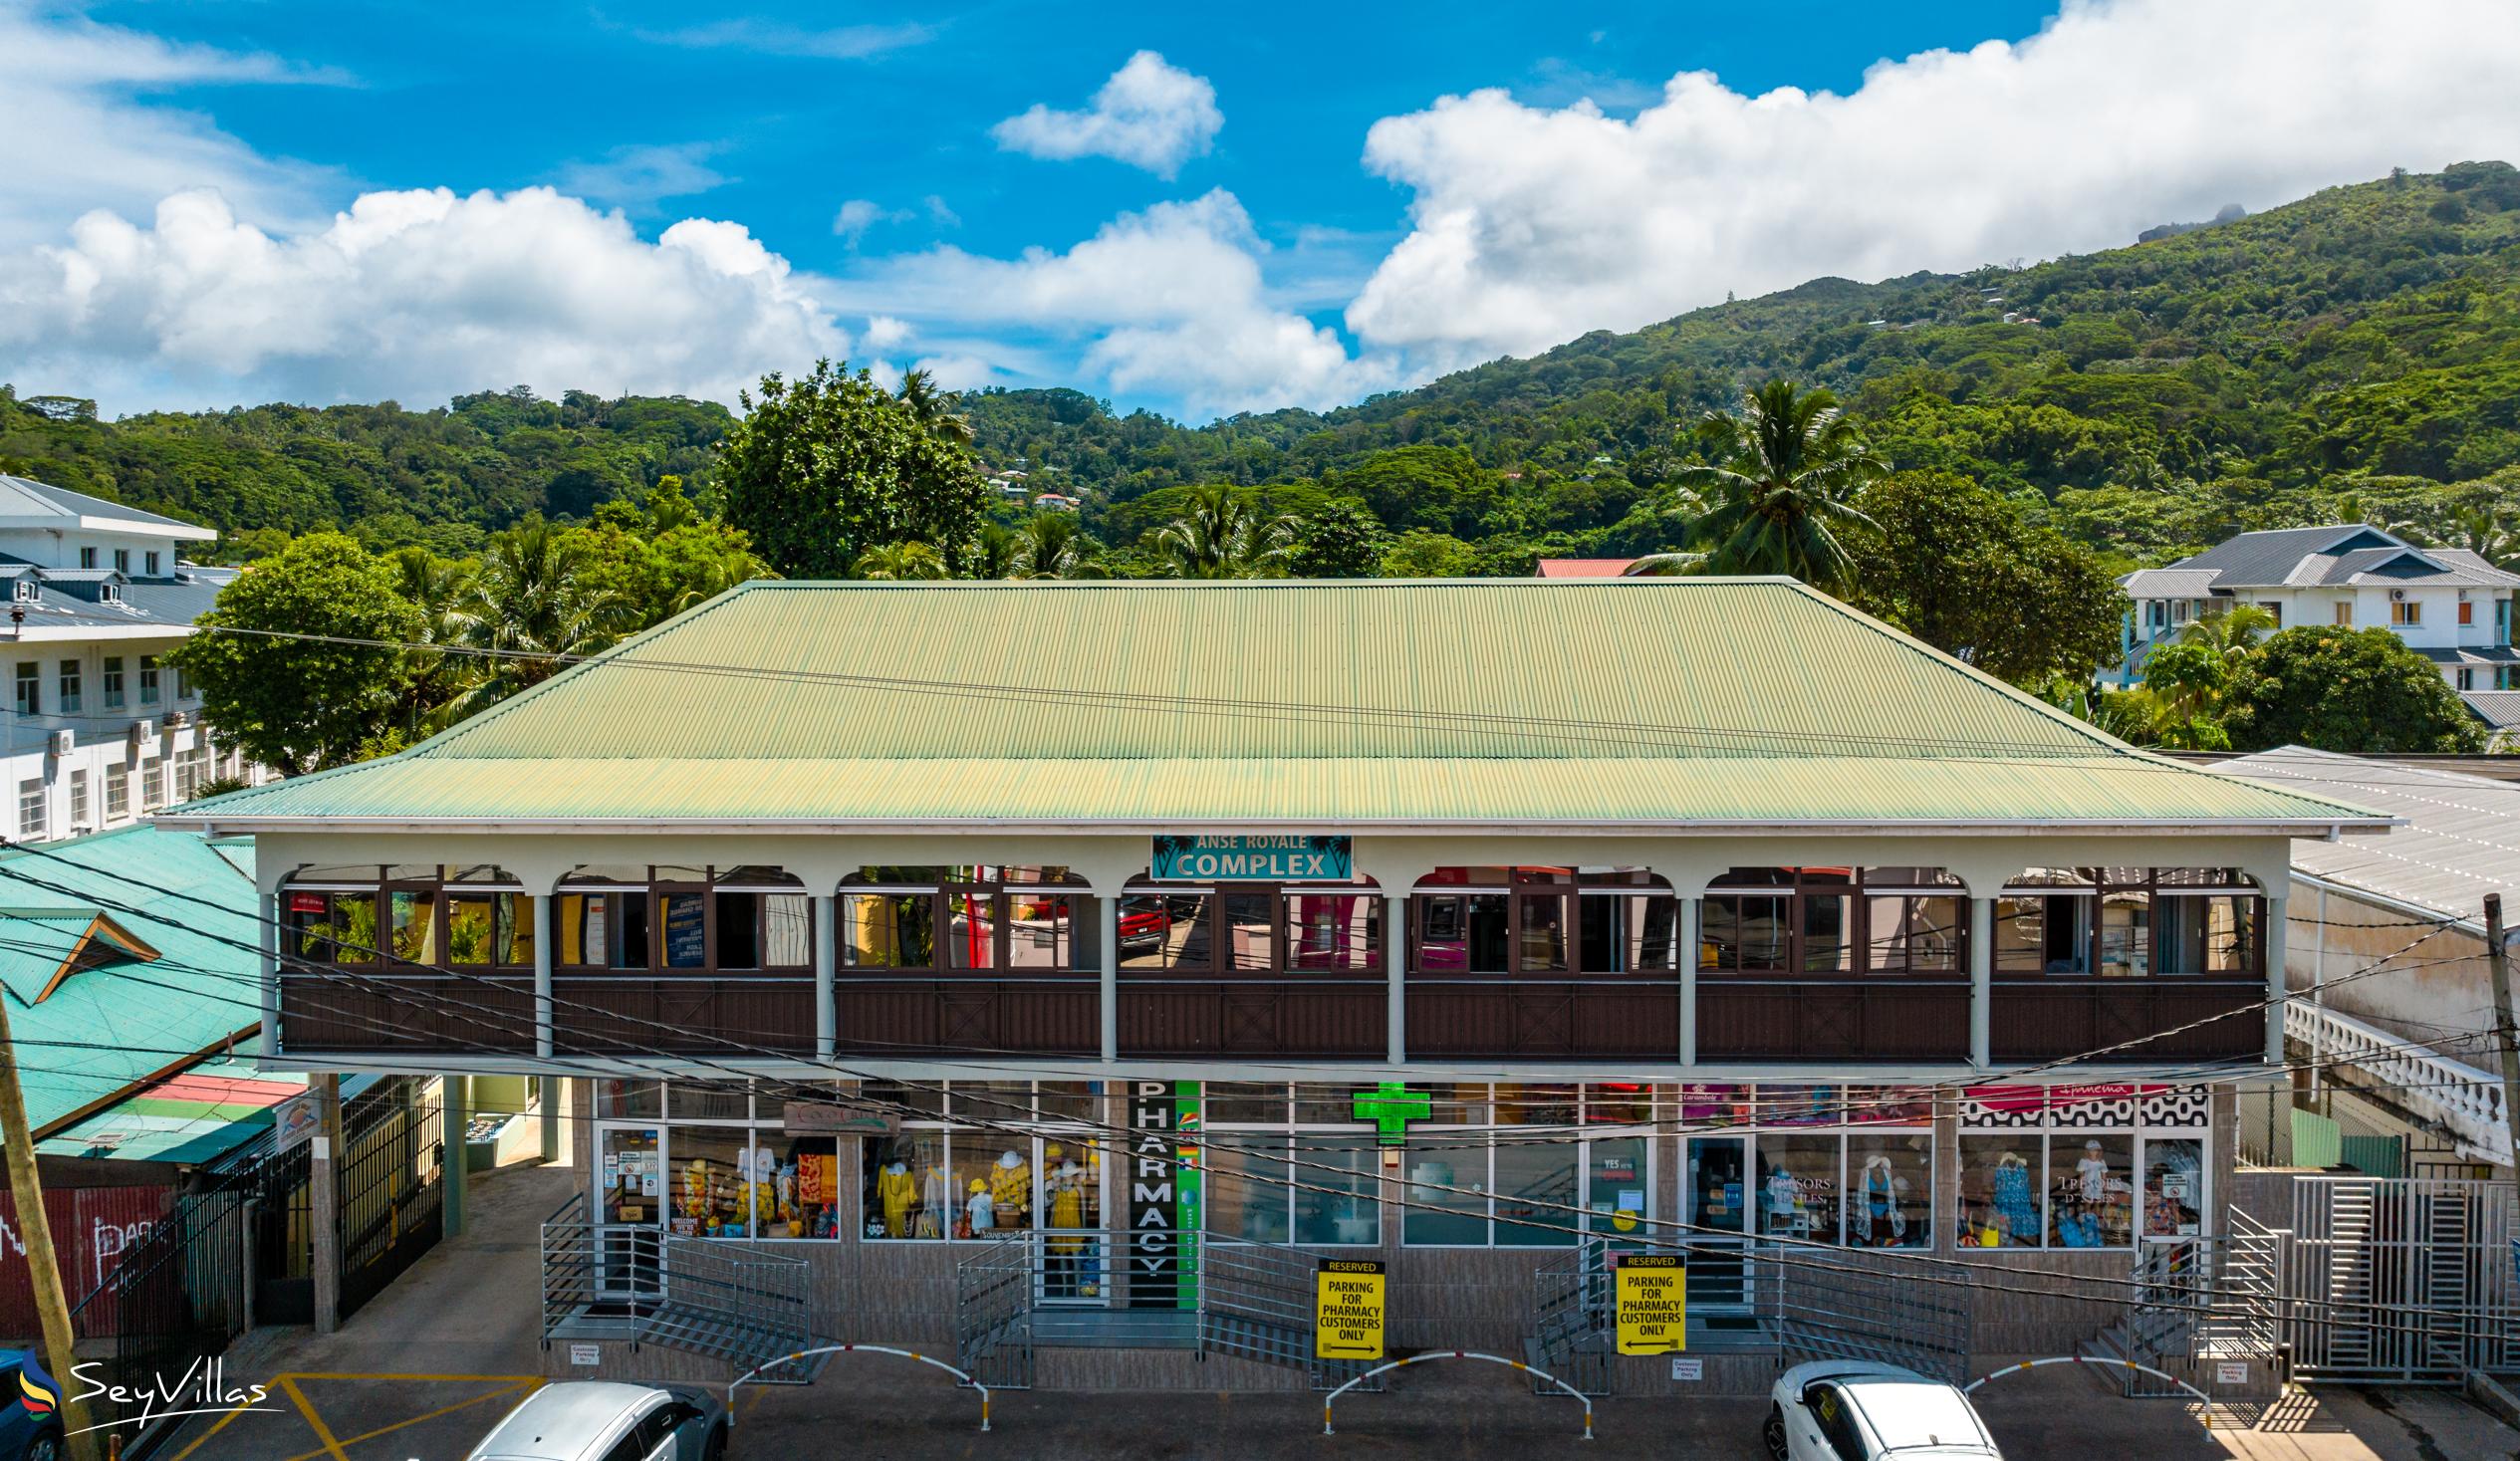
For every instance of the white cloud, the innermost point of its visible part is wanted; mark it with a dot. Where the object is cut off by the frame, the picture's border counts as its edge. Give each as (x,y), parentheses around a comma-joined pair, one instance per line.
(1168,303)
(414,295)
(639,177)
(80,140)
(1533,225)
(1151,114)
(860,214)
(882,331)
(838,43)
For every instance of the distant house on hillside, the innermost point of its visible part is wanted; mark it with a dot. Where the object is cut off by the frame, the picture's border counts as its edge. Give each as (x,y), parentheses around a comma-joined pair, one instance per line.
(1583,567)
(2449,604)
(100,729)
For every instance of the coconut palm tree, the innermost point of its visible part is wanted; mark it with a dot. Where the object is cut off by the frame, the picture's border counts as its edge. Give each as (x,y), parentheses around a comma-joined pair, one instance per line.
(2489,533)
(442,589)
(901,563)
(1223,536)
(537,606)
(1780,483)
(994,551)
(2231,634)
(935,408)
(1052,545)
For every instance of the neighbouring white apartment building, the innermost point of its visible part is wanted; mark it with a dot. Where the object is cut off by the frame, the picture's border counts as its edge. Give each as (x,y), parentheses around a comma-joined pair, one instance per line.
(101,730)
(2447,604)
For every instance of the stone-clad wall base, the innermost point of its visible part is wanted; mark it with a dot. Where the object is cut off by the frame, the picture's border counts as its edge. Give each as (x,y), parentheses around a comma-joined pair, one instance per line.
(1157,1370)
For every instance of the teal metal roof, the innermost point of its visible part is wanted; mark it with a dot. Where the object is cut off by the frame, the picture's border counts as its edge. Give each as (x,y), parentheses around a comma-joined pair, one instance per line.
(1522,702)
(103,1028)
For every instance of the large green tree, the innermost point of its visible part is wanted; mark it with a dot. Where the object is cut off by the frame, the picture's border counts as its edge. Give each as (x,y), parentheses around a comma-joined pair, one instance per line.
(302,704)
(539,603)
(2353,691)
(1954,565)
(823,469)
(1780,483)
(1343,540)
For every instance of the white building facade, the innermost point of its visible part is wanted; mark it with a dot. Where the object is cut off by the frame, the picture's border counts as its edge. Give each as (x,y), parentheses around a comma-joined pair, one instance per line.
(2450,605)
(101,730)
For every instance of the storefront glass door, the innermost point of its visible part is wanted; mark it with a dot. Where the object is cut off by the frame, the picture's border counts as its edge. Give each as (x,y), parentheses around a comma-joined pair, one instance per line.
(629,1200)
(1717,1203)
(1075,1249)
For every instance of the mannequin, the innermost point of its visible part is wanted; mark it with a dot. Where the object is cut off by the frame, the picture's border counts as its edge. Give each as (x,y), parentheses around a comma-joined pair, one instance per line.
(1011,1190)
(982,1208)
(2016,1209)
(894,1194)
(1875,1187)
(1785,1198)
(2092,1172)
(936,1204)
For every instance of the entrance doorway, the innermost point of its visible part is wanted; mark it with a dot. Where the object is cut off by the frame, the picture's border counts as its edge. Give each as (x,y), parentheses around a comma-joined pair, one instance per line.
(1718,1200)
(630,1213)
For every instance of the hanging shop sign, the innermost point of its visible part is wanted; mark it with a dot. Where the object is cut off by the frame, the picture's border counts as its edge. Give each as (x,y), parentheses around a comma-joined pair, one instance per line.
(1347,1309)
(1271,858)
(839,1118)
(1163,1195)
(1650,1303)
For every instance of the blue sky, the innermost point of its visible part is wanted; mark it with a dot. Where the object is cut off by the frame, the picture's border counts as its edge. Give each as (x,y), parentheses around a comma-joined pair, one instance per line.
(1197,209)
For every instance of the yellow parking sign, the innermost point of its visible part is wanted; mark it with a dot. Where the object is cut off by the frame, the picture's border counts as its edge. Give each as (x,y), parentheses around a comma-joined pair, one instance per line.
(1650,1303)
(1347,1308)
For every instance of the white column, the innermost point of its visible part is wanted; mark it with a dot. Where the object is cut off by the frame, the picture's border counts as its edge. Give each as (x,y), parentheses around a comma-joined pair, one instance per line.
(542,913)
(1691,908)
(826,965)
(1107,907)
(269,904)
(1396,976)
(2275,984)
(1981,982)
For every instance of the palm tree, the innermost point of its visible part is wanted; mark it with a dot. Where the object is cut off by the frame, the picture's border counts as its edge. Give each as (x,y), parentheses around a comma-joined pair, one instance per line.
(901,563)
(442,589)
(1780,482)
(935,408)
(994,551)
(538,606)
(1052,545)
(2487,532)
(1223,536)
(2231,634)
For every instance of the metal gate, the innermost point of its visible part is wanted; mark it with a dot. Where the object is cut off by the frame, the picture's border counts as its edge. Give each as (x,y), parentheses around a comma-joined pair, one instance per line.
(391,1189)
(1826,1306)
(2401,1278)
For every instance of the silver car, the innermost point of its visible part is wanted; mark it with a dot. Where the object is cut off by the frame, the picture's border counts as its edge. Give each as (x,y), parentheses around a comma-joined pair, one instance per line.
(598,1420)
(1854,1410)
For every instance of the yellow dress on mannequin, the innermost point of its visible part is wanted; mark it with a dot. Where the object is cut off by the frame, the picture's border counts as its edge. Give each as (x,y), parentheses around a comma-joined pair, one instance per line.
(894,1192)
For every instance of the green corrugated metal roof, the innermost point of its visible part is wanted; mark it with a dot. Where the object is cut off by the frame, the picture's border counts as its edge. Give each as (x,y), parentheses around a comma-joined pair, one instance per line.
(124,1019)
(1502,701)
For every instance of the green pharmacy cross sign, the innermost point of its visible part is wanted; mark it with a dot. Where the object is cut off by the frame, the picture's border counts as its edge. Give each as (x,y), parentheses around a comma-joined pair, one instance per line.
(1390,1107)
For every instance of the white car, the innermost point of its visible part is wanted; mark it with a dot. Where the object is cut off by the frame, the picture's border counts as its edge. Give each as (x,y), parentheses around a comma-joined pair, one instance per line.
(598,1420)
(1853,1410)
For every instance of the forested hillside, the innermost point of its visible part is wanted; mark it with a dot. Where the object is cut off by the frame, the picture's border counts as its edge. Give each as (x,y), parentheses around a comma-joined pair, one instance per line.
(2356,352)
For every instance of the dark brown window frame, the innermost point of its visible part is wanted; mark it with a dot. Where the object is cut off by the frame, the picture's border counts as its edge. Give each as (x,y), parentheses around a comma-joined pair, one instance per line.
(1521,891)
(940,898)
(2096,887)
(1281,966)
(1859,889)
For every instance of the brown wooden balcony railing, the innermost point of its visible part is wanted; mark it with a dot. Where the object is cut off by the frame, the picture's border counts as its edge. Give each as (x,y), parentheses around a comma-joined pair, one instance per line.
(911,1017)
(721,1016)
(1327,1019)
(1542,1019)
(1878,1018)
(2051,1018)
(363,1010)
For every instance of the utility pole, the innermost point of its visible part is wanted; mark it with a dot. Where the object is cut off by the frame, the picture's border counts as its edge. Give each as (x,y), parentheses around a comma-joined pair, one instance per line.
(35,1235)
(2506,1027)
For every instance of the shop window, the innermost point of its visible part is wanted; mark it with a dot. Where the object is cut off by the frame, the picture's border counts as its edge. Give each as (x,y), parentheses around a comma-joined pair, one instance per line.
(1463,933)
(1334,933)
(1798,1186)
(1915,934)
(993,1179)
(1539,1193)
(1246,1103)
(2091,1191)
(715,1178)
(1834,921)
(629,1100)
(1249,1187)
(683,923)
(2003,1202)
(2126,933)
(415,927)
(2173,1187)
(605,930)
(1889,1190)
(1617,1180)
(2043,924)
(970,929)
(331,928)
(909,1191)
(2207,934)
(489,929)
(887,931)
(804,1200)
(1041,930)
(1447,1194)
(1167,932)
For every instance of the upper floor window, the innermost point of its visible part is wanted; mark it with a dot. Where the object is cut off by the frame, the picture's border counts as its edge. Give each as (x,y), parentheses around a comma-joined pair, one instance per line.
(152,559)
(2406,613)
(682,919)
(2129,923)
(122,560)
(1544,921)
(148,679)
(2274,610)
(2344,612)
(28,591)
(112,682)
(86,558)
(418,915)
(2467,613)
(1025,920)
(1834,920)
(29,687)
(70,686)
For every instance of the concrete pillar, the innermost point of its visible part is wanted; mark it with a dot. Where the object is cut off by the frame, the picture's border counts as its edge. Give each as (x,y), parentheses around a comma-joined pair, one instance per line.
(2275,986)
(1396,976)
(324,1202)
(1981,982)
(1106,907)
(826,965)
(269,906)
(548,1102)
(1691,909)
(541,911)
(451,1109)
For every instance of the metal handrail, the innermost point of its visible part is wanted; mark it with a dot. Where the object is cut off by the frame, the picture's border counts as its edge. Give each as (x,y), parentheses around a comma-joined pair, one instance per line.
(1331,1399)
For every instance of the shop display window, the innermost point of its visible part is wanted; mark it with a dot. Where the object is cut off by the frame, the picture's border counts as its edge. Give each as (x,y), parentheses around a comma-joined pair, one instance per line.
(1247,1187)
(1538,1191)
(1798,1186)
(713,1178)
(1889,1190)
(804,1197)
(882,930)
(1447,1195)
(415,927)
(331,928)
(631,1099)
(2002,1197)
(1334,933)
(909,1194)
(1165,931)
(2091,1190)
(1342,1207)
(1618,1180)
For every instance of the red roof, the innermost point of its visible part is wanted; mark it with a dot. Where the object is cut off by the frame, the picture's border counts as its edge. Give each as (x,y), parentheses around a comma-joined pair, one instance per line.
(1584,568)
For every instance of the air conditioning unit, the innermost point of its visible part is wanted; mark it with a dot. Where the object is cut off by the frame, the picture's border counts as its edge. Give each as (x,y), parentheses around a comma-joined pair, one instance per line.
(143,730)
(65,742)
(2397,596)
